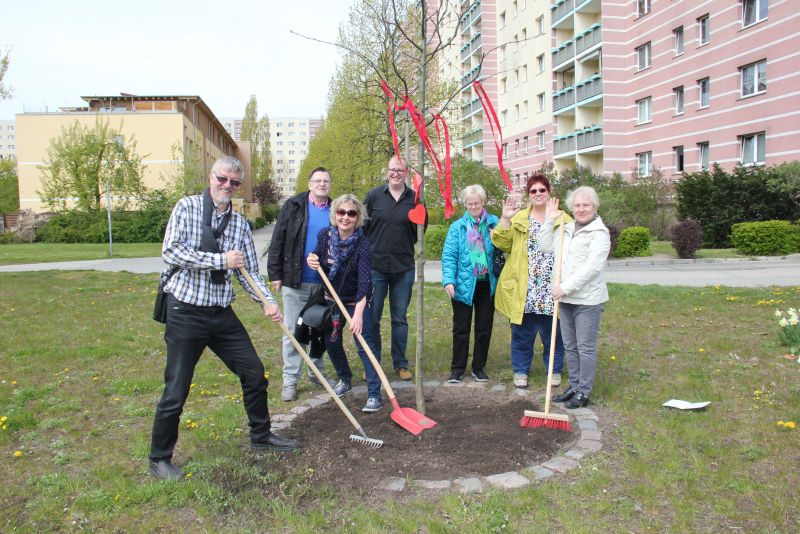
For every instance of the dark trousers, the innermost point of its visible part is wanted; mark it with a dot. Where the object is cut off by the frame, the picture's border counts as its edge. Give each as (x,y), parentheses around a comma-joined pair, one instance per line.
(333,343)
(189,330)
(483,304)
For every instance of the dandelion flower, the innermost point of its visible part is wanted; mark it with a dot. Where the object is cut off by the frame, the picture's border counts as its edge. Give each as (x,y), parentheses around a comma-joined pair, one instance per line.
(613,357)
(701,349)
(17,454)
(790,424)
(780,423)
(188,475)
(3,419)
(13,382)
(777,313)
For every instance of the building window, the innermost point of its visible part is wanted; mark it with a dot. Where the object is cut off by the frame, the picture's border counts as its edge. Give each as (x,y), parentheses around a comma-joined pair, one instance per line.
(505,150)
(540,139)
(753,11)
(644,162)
(644,106)
(643,56)
(704,24)
(516,112)
(540,98)
(754,78)
(524,73)
(540,25)
(524,36)
(540,63)
(516,146)
(504,116)
(503,19)
(524,109)
(678,91)
(502,52)
(516,77)
(525,144)
(677,34)
(754,148)
(703,156)
(704,86)
(678,150)
(642,7)
(503,85)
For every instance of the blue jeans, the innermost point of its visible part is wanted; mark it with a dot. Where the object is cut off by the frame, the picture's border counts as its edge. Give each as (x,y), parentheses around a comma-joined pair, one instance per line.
(523,336)
(398,286)
(334,332)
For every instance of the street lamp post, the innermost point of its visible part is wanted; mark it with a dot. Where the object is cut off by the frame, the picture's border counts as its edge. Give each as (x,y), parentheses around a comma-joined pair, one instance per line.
(118,140)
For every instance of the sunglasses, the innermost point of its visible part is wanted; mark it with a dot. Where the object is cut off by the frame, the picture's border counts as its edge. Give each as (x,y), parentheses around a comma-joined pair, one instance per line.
(350,213)
(224,179)
(540,190)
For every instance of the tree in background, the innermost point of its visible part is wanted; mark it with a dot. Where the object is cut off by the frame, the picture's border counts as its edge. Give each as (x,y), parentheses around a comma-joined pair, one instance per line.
(256,131)
(5,90)
(9,186)
(82,159)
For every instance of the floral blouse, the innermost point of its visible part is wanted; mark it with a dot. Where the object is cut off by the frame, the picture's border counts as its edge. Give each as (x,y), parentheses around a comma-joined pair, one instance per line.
(539,298)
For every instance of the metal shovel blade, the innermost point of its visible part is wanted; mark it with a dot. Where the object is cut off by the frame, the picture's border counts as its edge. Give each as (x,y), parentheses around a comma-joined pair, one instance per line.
(411,419)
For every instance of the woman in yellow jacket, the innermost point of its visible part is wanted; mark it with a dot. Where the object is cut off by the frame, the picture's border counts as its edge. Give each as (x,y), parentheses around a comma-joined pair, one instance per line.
(525,289)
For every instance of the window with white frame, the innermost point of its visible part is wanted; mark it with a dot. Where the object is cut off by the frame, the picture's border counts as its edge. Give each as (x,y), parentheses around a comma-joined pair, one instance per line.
(516,112)
(754,149)
(525,145)
(504,117)
(643,56)
(503,19)
(644,163)
(540,62)
(524,37)
(524,73)
(514,8)
(516,77)
(678,92)
(540,99)
(540,25)
(678,153)
(677,36)
(502,52)
(704,27)
(505,150)
(524,109)
(540,139)
(754,78)
(503,85)
(703,154)
(704,86)
(642,7)
(753,11)
(516,146)
(644,107)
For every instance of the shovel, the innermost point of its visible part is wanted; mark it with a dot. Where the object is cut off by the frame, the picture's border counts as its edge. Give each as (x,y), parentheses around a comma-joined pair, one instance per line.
(362,438)
(408,418)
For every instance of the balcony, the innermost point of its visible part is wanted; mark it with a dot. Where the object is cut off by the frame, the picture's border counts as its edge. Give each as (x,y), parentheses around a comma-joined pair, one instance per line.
(469,108)
(473,45)
(588,88)
(471,15)
(591,36)
(561,9)
(563,144)
(470,76)
(563,53)
(589,137)
(472,137)
(563,98)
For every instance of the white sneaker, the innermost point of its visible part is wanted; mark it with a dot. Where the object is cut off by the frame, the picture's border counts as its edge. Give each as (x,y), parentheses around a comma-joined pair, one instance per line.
(556,380)
(520,380)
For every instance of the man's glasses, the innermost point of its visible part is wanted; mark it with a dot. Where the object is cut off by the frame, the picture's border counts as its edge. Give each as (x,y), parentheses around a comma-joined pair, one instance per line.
(350,213)
(326,182)
(541,190)
(224,179)
(396,171)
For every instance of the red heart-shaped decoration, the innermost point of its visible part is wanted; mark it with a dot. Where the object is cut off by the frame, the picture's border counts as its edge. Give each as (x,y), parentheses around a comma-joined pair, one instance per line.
(417,215)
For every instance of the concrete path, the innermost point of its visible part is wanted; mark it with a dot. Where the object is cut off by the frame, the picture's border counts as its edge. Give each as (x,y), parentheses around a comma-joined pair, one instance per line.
(758,272)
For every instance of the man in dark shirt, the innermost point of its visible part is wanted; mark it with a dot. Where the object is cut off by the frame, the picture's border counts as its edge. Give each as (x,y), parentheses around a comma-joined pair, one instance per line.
(392,237)
(205,243)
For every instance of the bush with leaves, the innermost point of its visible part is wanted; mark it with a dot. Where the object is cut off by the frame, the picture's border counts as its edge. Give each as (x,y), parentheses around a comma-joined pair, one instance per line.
(633,241)
(687,238)
(765,238)
(434,240)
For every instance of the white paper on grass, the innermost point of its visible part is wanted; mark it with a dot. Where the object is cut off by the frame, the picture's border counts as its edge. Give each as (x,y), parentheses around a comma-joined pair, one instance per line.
(684,405)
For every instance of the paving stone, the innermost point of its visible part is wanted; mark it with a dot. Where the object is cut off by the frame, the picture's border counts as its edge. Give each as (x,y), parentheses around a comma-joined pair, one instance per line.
(468,485)
(299,409)
(560,464)
(581,411)
(590,445)
(433,484)
(456,385)
(393,484)
(481,385)
(282,417)
(323,396)
(359,390)
(510,480)
(403,384)
(576,454)
(591,434)
(280,425)
(587,424)
(540,473)
(498,387)
(521,392)
(431,383)
(317,402)
(586,417)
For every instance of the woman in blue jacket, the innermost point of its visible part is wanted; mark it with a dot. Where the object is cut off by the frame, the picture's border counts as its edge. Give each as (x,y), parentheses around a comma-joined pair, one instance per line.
(469,281)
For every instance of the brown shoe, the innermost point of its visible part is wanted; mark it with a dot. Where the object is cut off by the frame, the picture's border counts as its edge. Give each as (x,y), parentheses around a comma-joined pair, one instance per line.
(404,373)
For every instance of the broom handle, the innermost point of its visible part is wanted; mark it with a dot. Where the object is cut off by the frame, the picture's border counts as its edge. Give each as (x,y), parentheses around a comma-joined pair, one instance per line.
(553,332)
(375,363)
(302,353)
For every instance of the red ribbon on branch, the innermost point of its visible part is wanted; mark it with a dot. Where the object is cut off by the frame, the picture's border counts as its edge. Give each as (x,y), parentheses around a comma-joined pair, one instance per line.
(390,105)
(491,117)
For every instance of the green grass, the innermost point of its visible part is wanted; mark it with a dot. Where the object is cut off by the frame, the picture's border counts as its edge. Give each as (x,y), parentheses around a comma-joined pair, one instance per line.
(80,373)
(658,248)
(12,254)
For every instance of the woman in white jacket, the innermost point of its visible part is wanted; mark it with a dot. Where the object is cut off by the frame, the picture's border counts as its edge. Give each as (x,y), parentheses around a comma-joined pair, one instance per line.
(582,292)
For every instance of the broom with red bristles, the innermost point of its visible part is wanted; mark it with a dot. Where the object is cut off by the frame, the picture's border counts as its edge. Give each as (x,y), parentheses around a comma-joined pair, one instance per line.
(546,419)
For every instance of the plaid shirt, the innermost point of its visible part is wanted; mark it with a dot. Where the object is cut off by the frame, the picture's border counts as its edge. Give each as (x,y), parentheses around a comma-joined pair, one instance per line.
(192,282)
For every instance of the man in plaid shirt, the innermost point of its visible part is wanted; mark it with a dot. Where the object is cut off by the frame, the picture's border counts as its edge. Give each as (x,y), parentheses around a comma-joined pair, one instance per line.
(205,242)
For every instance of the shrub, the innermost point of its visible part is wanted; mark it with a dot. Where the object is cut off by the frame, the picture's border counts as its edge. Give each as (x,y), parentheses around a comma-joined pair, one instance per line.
(687,238)
(764,238)
(270,213)
(434,241)
(75,227)
(8,238)
(633,241)
(613,234)
(260,222)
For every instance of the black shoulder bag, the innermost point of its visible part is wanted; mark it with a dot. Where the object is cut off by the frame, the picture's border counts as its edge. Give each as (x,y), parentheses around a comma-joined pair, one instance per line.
(160,306)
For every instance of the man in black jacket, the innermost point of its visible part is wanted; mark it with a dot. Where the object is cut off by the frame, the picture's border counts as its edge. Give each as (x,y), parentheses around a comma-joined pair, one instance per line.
(295,235)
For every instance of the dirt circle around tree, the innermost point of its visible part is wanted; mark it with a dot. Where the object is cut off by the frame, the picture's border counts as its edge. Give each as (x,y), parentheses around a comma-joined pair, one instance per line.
(478,434)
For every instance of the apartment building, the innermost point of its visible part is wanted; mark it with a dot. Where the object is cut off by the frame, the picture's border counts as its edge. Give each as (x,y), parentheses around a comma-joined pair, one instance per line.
(8,142)
(289,138)
(158,124)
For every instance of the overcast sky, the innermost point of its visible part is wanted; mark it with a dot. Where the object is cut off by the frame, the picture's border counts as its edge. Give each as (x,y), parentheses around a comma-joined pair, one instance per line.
(221,51)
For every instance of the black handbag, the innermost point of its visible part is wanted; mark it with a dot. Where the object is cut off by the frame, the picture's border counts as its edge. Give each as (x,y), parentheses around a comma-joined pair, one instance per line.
(160,305)
(498,262)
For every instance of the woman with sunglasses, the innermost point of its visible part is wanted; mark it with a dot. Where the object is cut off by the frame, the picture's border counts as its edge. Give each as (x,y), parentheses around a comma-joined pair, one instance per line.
(343,253)
(524,291)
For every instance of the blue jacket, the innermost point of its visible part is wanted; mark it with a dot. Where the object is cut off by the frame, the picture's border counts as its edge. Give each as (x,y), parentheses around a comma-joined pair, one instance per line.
(456,267)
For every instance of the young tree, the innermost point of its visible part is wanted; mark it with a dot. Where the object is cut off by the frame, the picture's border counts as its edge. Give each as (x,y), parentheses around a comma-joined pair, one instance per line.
(83,160)
(256,131)
(9,186)
(5,90)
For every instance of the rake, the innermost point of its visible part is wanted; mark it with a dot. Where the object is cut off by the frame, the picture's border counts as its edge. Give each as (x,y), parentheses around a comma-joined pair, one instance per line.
(362,437)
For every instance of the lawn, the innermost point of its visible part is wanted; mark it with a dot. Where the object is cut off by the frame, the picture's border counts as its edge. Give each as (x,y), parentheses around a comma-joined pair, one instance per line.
(49,252)
(665,247)
(81,367)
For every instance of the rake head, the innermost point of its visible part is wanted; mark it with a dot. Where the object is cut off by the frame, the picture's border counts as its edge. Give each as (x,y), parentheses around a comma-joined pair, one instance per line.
(372,442)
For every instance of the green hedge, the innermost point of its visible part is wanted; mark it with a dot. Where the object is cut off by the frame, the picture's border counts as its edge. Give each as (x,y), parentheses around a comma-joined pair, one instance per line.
(766,238)
(633,241)
(434,241)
